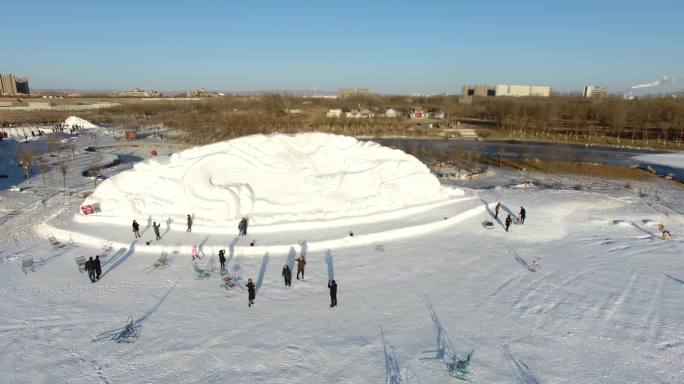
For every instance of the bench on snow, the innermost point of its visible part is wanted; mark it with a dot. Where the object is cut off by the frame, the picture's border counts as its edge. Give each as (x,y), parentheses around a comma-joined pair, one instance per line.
(55,243)
(460,368)
(27,264)
(228,281)
(80,261)
(201,273)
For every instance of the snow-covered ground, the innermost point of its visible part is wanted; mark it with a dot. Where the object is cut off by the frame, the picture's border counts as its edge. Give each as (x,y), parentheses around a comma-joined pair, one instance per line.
(607,305)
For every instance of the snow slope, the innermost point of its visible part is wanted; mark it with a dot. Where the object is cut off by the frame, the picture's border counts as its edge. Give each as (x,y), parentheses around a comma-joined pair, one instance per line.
(272,179)
(72,121)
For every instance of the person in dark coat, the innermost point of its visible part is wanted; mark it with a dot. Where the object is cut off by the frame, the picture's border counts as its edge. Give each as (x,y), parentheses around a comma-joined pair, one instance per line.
(90,268)
(241,226)
(509,220)
(522,215)
(98,267)
(156,226)
(136,229)
(332,285)
(222,259)
(189,224)
(301,262)
(251,290)
(496,210)
(287,275)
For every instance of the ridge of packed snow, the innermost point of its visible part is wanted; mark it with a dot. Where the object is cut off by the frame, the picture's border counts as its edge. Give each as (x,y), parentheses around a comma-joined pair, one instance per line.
(72,121)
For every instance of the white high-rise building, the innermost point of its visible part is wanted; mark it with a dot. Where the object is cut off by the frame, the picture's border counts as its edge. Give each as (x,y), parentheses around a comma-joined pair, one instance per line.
(522,90)
(595,91)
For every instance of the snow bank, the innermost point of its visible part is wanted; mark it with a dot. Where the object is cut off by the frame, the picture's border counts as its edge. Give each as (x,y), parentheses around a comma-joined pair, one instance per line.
(674,160)
(272,179)
(72,121)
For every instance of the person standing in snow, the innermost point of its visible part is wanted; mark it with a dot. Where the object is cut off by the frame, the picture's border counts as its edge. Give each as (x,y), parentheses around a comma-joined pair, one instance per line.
(251,290)
(222,259)
(509,220)
(241,226)
(90,268)
(332,285)
(496,210)
(287,275)
(301,262)
(136,229)
(98,267)
(522,215)
(156,226)
(189,224)
(195,252)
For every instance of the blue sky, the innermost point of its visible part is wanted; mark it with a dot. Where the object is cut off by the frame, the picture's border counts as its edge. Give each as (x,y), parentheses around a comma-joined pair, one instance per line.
(390,47)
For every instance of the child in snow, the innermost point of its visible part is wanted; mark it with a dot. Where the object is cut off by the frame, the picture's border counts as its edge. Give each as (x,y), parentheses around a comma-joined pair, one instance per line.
(332,285)
(301,262)
(195,252)
(287,275)
(189,224)
(509,220)
(251,290)
(522,215)
(136,229)
(156,226)
(536,264)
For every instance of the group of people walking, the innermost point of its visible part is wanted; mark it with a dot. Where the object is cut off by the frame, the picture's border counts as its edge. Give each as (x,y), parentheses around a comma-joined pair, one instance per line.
(509,218)
(94,268)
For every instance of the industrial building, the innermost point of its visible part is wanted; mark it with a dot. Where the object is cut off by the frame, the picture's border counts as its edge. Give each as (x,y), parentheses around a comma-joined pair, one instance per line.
(11,85)
(505,90)
(347,92)
(595,91)
(478,90)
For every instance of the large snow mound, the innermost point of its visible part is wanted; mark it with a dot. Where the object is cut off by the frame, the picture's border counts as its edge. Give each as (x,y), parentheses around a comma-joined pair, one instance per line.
(272,179)
(72,121)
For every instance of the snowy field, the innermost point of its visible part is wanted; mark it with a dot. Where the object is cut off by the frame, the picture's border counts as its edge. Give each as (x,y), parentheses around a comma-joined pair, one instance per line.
(606,306)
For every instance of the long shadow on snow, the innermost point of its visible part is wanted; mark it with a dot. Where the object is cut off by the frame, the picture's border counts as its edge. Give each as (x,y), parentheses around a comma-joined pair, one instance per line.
(674,278)
(201,245)
(392,371)
(331,265)
(231,248)
(119,257)
(491,213)
(521,369)
(168,226)
(439,334)
(262,272)
(304,247)
(519,258)
(291,258)
(136,324)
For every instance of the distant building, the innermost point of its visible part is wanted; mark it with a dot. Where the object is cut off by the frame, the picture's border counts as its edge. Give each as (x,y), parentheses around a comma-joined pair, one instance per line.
(347,92)
(478,90)
(11,85)
(522,90)
(334,113)
(433,113)
(197,93)
(360,114)
(417,113)
(137,92)
(595,91)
